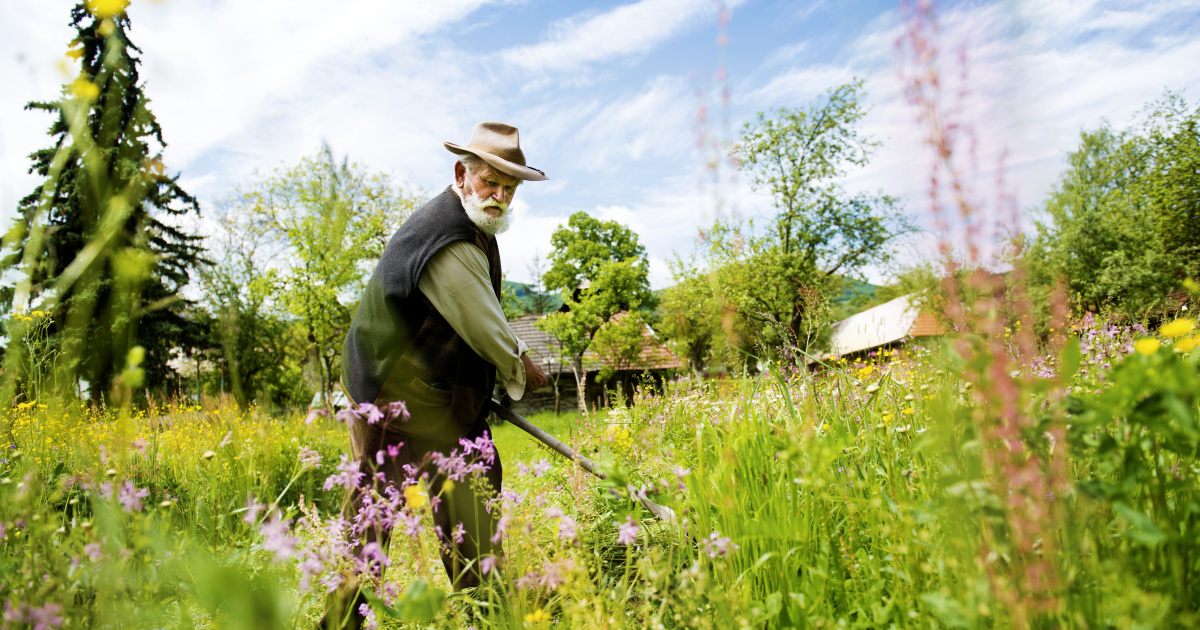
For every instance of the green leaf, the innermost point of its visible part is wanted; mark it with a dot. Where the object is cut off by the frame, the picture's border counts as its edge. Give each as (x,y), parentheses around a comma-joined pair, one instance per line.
(1069,360)
(1142,528)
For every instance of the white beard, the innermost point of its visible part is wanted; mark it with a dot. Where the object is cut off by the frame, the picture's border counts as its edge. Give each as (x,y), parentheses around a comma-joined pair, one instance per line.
(486,222)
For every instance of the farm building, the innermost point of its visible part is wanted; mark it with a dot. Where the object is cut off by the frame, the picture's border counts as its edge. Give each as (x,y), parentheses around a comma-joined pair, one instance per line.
(656,360)
(883,325)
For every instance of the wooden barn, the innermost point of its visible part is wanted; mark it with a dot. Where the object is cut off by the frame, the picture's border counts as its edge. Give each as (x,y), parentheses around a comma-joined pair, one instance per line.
(656,360)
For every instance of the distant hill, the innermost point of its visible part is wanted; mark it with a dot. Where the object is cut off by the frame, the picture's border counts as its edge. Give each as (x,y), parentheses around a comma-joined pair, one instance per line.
(525,296)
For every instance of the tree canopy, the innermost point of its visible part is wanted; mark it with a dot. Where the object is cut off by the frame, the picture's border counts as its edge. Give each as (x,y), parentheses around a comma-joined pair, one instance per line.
(100,242)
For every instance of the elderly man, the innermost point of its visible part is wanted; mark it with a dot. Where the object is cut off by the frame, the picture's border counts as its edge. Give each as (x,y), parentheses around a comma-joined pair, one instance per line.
(430,332)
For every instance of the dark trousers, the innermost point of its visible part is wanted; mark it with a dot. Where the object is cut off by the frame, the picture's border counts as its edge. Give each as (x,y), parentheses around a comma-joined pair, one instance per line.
(460,504)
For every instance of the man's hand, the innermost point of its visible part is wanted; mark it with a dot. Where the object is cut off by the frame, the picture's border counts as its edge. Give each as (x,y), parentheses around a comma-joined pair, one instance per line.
(535,378)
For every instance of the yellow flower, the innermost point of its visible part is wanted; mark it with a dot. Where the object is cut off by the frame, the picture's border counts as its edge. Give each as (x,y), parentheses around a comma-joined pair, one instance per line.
(887,417)
(537,616)
(908,412)
(1185,345)
(415,497)
(106,8)
(1177,328)
(85,89)
(1146,346)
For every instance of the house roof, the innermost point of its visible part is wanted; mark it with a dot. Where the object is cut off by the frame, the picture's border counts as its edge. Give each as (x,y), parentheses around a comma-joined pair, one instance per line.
(543,349)
(887,323)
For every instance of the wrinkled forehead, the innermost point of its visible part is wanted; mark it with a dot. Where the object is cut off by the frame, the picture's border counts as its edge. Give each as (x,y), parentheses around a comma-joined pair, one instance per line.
(500,177)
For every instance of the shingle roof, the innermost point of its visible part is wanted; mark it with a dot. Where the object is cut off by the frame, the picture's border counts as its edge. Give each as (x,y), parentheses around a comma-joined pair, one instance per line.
(542,349)
(883,324)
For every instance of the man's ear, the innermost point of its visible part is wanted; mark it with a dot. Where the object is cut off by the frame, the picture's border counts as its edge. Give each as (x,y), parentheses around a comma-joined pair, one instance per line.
(460,174)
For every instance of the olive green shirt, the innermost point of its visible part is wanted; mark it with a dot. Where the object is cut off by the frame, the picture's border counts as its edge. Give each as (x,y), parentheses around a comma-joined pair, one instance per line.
(456,281)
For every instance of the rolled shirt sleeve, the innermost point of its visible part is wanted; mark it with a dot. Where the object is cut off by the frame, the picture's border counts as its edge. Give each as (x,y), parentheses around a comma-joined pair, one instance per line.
(457,283)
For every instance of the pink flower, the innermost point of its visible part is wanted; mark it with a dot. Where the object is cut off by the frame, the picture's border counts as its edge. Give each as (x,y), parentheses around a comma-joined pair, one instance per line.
(139,445)
(716,545)
(313,414)
(370,412)
(93,551)
(131,497)
(488,564)
(394,450)
(541,467)
(309,458)
(458,533)
(347,475)
(627,532)
(252,509)
(277,539)
(397,409)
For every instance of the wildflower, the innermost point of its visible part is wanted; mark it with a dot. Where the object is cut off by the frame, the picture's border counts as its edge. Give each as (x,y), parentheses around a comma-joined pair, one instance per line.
(393,450)
(627,532)
(276,538)
(252,509)
(397,409)
(226,440)
(537,616)
(314,413)
(368,615)
(131,497)
(370,412)
(208,455)
(458,533)
(93,551)
(373,559)
(414,497)
(311,565)
(139,445)
(887,417)
(488,564)
(1146,346)
(309,458)
(1177,328)
(716,545)
(541,467)
(347,475)
(501,527)
(1186,344)
(908,412)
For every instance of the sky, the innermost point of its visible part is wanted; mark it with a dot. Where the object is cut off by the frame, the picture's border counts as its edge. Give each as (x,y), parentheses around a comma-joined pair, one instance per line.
(620,103)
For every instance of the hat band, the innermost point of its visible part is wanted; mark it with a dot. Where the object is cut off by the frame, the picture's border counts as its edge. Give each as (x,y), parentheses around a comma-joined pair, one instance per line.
(515,156)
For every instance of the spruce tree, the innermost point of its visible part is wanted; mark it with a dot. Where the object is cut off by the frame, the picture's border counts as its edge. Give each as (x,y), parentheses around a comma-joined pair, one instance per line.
(99,241)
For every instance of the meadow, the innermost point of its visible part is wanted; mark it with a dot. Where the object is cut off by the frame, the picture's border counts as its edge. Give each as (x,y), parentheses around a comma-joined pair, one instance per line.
(917,488)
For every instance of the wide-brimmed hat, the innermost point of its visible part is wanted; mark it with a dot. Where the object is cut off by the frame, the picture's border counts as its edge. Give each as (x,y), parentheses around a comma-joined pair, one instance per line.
(499,145)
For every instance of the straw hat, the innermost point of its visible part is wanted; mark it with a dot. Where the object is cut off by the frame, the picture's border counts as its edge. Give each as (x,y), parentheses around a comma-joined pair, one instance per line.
(499,146)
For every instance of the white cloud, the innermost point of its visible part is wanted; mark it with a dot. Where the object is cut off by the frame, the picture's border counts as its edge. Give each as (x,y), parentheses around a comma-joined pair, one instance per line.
(628,30)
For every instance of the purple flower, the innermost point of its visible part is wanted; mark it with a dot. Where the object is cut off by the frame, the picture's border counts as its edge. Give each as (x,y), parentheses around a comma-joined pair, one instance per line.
(309,567)
(313,414)
(41,618)
(368,615)
(627,532)
(370,412)
(501,526)
(139,445)
(541,467)
(309,458)
(397,409)
(568,529)
(373,560)
(277,539)
(252,509)
(93,551)
(716,545)
(347,475)
(106,490)
(458,533)
(131,497)
(488,564)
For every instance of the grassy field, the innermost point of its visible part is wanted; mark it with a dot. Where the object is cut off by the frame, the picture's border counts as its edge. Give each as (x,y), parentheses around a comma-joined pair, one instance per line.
(943,488)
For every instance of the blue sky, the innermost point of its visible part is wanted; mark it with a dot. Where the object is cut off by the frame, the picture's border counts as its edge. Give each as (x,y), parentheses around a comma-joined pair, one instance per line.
(606,94)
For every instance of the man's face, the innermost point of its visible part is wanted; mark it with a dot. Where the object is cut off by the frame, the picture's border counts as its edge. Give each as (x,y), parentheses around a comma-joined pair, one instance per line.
(491,187)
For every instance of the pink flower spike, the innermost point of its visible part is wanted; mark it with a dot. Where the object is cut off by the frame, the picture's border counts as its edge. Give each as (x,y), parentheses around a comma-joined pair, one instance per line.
(393,450)
(397,409)
(488,564)
(371,412)
(627,532)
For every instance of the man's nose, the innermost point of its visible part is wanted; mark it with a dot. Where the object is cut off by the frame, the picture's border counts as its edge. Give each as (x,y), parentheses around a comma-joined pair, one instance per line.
(499,195)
